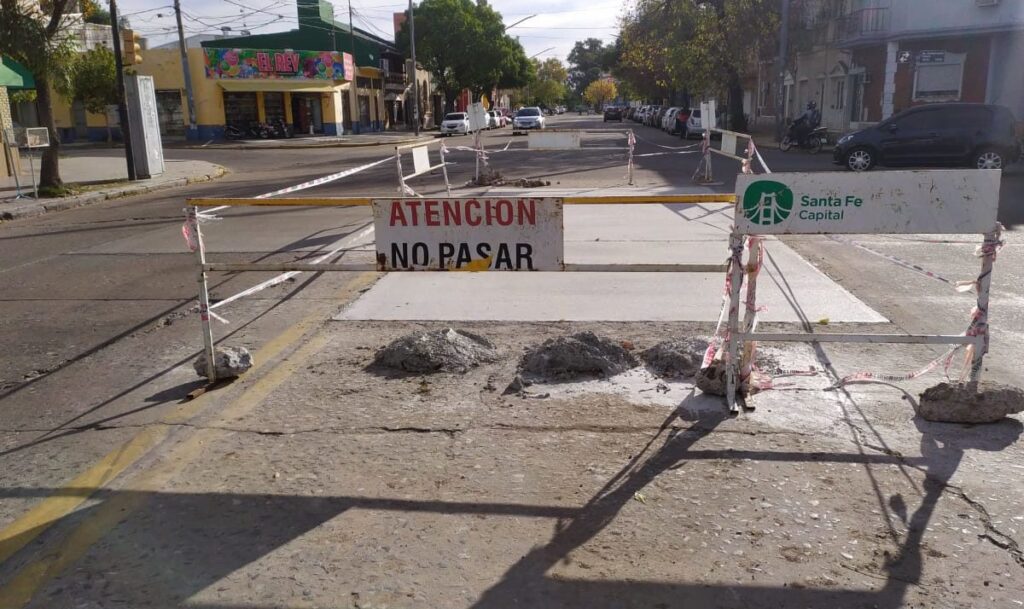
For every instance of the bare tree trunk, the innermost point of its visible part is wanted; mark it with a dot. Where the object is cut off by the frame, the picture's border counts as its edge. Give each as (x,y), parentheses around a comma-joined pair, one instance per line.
(49,171)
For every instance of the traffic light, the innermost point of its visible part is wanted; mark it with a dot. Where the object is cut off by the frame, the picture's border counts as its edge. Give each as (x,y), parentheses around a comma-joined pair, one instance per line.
(131,47)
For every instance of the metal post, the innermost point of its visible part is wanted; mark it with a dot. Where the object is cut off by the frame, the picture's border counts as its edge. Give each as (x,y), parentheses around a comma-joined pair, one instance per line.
(732,346)
(204,297)
(444,170)
(780,65)
(398,169)
(979,325)
(192,126)
(415,81)
(755,253)
(32,170)
(477,179)
(631,141)
(122,107)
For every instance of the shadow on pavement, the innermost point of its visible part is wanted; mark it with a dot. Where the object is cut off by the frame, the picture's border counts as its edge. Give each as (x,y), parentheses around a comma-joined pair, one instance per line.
(204,537)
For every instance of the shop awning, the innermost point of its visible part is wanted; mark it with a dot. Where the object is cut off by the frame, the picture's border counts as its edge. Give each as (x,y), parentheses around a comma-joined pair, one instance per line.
(295,86)
(14,75)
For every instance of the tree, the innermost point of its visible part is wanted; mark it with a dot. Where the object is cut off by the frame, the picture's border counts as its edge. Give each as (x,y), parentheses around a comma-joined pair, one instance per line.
(588,60)
(465,46)
(94,82)
(547,88)
(35,35)
(701,46)
(599,92)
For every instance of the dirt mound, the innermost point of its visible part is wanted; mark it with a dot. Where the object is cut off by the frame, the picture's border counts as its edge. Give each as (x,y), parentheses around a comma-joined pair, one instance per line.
(582,354)
(494,178)
(676,358)
(447,350)
(985,402)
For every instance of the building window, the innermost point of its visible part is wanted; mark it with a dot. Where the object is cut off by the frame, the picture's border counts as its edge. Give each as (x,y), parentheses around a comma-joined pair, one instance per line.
(363,82)
(935,82)
(273,106)
(839,89)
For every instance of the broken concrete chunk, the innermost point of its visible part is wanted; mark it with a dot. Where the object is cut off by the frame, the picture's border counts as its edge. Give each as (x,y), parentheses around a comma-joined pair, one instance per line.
(985,402)
(446,350)
(582,354)
(228,362)
(711,380)
(676,358)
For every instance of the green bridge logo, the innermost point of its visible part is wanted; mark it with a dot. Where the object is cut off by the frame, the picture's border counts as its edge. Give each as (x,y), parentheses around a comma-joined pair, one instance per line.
(767,202)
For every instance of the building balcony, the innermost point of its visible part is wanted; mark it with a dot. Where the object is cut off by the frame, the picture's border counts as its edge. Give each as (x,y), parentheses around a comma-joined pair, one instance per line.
(862,26)
(395,81)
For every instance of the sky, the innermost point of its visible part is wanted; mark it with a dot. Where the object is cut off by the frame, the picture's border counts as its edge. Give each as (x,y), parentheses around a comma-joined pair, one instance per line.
(557,26)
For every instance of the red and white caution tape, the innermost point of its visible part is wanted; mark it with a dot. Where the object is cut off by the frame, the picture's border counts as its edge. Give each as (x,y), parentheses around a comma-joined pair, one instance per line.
(959,286)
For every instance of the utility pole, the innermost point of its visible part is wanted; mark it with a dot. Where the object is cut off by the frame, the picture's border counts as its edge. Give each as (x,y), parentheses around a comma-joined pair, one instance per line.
(354,98)
(192,126)
(780,64)
(122,109)
(415,80)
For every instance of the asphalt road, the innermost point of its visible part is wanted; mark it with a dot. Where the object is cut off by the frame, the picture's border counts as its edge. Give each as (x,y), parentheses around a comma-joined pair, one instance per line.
(93,333)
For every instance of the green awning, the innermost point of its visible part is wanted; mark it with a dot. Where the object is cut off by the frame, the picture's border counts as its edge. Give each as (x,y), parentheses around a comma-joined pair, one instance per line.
(14,76)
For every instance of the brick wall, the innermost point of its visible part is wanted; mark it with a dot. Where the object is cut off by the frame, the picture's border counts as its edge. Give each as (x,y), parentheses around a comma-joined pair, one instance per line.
(975,71)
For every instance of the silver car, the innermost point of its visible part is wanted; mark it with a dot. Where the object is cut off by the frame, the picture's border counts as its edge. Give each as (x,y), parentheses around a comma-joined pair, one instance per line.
(528,118)
(455,123)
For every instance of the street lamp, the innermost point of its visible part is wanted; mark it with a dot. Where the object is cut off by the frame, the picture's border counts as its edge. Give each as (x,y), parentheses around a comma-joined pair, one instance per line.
(509,27)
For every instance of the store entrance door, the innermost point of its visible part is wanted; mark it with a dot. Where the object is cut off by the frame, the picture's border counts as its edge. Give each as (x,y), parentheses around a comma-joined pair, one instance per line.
(307,113)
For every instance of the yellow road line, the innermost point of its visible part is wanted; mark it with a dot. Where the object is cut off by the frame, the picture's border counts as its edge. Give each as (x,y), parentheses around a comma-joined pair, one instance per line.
(50,510)
(19,590)
(569,200)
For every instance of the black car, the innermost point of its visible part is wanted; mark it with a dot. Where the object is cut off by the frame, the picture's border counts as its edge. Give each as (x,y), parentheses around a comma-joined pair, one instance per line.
(975,135)
(613,113)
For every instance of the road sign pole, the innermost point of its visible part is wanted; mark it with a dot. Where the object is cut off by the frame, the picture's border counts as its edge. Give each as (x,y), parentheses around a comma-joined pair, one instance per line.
(122,108)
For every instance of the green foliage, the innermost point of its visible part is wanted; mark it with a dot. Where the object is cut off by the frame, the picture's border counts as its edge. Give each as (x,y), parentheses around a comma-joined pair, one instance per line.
(588,60)
(38,44)
(94,80)
(23,96)
(465,46)
(700,46)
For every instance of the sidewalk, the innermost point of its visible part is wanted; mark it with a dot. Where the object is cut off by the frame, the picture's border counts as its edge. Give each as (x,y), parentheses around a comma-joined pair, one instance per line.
(302,141)
(98,179)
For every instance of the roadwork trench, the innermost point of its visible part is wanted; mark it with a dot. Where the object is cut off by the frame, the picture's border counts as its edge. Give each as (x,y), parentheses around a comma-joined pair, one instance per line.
(630,490)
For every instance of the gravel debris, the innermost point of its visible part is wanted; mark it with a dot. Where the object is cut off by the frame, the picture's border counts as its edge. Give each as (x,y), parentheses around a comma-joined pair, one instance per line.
(584,354)
(675,358)
(447,350)
(986,402)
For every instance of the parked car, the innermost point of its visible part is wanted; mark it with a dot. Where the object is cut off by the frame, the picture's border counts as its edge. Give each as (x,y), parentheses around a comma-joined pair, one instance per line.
(456,123)
(942,134)
(495,120)
(651,119)
(612,113)
(528,118)
(668,120)
(692,126)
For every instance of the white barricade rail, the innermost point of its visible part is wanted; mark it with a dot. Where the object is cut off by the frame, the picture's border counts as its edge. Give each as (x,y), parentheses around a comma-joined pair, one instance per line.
(826,203)
(733,145)
(420,165)
(521,233)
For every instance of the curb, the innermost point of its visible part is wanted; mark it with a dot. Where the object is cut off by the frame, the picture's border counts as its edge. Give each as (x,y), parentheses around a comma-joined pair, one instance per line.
(300,147)
(45,206)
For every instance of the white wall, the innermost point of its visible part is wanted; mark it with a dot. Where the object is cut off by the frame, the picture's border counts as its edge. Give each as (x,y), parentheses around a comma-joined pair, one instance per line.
(952,16)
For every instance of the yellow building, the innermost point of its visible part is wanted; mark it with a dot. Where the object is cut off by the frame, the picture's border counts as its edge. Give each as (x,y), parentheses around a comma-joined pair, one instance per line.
(266,78)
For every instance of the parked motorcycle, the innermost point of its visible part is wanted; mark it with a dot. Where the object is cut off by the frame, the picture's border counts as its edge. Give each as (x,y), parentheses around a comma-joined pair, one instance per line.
(279,129)
(231,132)
(812,142)
(259,130)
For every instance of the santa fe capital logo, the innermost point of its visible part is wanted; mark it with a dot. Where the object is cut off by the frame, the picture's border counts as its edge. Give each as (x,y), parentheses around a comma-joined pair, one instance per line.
(767,202)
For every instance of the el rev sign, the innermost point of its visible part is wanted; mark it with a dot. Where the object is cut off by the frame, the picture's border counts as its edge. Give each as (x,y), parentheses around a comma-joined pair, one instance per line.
(469,234)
